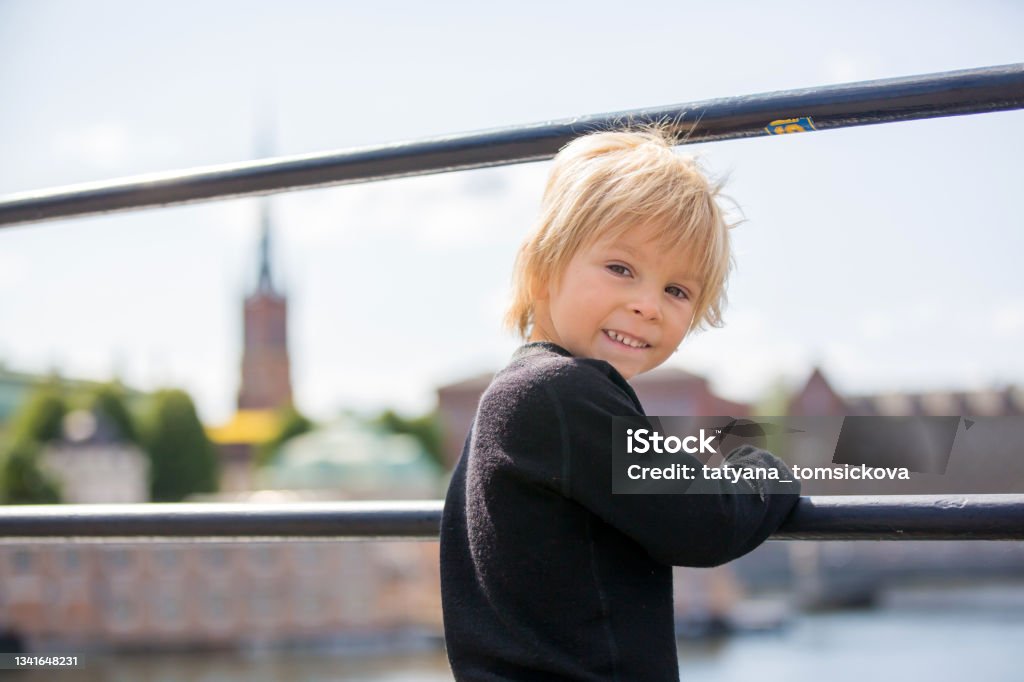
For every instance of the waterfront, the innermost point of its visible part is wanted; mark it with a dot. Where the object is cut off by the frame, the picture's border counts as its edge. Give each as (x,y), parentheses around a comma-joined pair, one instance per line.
(939,634)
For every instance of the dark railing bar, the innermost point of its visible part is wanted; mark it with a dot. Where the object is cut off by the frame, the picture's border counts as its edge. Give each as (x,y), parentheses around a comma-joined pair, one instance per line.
(906,517)
(416,519)
(890,517)
(953,93)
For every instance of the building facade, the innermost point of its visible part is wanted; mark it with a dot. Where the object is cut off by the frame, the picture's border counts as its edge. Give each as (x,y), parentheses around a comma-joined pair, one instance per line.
(94,464)
(266,369)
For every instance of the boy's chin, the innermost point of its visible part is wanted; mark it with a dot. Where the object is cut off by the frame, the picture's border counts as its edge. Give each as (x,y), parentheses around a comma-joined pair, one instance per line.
(627,371)
(633,371)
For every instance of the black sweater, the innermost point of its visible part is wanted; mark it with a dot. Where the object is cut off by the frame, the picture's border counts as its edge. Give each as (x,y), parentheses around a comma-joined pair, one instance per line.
(545,575)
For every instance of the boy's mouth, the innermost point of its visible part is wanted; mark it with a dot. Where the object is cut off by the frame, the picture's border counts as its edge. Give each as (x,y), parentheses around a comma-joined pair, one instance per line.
(627,341)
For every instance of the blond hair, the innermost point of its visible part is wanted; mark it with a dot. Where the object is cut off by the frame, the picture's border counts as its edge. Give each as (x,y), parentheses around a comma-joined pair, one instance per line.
(602,184)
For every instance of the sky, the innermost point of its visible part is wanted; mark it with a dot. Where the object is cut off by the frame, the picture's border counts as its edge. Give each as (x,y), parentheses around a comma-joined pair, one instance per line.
(888,255)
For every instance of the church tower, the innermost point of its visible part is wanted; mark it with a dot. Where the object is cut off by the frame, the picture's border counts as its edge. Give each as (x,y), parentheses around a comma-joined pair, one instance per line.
(266,370)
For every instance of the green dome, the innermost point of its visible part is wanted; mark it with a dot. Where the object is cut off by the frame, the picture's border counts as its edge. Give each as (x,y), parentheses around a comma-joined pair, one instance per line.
(356,459)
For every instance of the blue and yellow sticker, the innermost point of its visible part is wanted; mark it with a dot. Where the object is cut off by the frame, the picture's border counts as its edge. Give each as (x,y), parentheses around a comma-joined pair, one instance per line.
(790,125)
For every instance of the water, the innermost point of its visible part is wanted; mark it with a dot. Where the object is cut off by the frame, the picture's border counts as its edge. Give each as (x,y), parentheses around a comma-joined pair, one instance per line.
(896,643)
(941,636)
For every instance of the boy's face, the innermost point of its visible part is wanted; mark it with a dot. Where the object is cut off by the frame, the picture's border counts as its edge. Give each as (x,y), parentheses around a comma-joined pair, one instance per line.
(625,300)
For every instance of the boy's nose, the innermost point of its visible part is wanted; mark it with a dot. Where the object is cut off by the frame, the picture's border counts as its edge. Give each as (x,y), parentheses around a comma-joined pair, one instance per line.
(647,307)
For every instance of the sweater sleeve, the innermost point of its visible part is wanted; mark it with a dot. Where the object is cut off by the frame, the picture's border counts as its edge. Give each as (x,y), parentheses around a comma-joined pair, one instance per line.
(725,521)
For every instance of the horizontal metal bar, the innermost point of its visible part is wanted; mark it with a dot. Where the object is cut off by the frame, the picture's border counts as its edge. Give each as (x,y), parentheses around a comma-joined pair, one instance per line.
(970,91)
(350,520)
(904,517)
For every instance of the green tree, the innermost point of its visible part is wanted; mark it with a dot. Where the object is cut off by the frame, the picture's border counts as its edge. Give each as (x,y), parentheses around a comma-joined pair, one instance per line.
(22,481)
(40,419)
(109,400)
(182,459)
(425,428)
(41,416)
(292,423)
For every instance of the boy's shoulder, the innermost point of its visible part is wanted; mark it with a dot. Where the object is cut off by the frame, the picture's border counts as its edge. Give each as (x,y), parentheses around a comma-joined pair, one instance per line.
(541,371)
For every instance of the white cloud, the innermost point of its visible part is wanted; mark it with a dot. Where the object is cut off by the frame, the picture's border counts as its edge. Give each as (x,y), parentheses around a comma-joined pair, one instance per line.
(1007,319)
(493,304)
(848,359)
(839,67)
(108,145)
(439,212)
(324,218)
(12,271)
(925,312)
(875,326)
(239,221)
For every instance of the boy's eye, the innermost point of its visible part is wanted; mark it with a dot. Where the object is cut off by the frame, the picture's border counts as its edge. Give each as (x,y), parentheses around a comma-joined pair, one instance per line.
(677,292)
(618,269)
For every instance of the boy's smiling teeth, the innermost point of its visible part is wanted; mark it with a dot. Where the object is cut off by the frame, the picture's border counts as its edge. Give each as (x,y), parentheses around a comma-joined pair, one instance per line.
(627,340)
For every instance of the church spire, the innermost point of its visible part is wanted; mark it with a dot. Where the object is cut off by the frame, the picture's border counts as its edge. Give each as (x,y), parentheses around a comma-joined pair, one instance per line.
(264,149)
(266,367)
(266,282)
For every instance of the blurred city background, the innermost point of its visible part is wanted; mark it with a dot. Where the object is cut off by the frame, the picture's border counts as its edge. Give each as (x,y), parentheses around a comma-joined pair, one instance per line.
(332,344)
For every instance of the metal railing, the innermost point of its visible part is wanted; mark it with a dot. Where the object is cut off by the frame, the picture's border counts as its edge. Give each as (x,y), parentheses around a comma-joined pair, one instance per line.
(934,517)
(840,517)
(970,91)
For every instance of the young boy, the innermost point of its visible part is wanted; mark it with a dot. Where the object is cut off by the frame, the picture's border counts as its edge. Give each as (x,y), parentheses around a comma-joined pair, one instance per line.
(545,574)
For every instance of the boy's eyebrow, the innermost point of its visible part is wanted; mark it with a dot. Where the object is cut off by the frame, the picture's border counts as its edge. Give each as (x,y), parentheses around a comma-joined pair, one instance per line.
(690,279)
